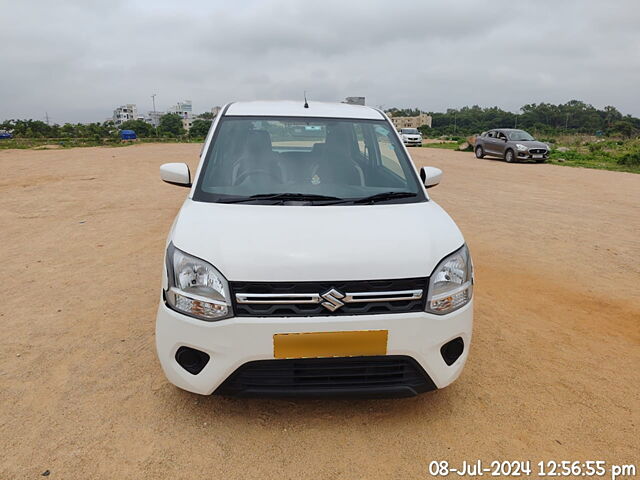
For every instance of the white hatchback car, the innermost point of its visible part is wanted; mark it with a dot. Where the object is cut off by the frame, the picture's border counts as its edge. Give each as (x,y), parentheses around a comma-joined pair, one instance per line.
(308,259)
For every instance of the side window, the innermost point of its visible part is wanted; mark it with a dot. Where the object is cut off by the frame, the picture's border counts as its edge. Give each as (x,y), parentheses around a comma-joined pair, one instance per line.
(501,136)
(388,155)
(491,134)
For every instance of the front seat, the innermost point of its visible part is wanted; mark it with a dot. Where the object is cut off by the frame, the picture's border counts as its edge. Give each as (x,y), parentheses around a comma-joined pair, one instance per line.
(257,164)
(334,161)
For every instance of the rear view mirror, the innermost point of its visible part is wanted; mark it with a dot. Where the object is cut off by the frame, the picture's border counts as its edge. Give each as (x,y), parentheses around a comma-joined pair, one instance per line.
(430,176)
(176,174)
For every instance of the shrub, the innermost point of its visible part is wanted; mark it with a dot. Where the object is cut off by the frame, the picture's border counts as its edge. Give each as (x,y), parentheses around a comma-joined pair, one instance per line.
(630,159)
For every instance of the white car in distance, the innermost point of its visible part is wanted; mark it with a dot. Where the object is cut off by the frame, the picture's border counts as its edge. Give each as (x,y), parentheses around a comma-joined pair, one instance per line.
(309,259)
(411,137)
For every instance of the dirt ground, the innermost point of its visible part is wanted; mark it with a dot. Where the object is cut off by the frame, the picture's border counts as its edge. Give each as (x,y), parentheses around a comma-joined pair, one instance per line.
(554,370)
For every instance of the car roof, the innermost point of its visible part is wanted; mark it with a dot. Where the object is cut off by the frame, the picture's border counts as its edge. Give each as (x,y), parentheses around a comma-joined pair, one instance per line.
(289,108)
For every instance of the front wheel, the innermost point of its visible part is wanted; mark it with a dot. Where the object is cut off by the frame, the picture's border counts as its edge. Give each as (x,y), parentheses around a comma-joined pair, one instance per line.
(509,156)
(479,152)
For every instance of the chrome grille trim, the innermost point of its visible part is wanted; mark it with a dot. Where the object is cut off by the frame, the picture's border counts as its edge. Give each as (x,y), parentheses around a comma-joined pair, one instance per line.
(361,297)
(278,298)
(311,298)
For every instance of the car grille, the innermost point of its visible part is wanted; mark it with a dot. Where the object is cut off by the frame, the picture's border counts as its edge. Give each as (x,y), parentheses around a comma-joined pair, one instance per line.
(303,299)
(537,150)
(393,374)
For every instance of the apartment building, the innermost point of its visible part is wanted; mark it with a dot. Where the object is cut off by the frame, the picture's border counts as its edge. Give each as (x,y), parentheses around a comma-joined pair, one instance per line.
(185,110)
(411,122)
(124,113)
(154,118)
(354,100)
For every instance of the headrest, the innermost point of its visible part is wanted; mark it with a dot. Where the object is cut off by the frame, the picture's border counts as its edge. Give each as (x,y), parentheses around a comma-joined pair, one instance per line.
(338,136)
(258,141)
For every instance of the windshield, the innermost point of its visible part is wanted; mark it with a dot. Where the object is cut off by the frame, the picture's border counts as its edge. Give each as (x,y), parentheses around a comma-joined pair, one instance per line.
(410,130)
(273,160)
(519,135)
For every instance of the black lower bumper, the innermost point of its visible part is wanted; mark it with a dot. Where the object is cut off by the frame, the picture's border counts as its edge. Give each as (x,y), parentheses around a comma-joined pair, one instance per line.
(374,376)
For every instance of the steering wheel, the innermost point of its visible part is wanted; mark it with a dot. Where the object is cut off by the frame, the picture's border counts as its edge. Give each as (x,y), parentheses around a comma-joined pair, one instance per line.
(247,173)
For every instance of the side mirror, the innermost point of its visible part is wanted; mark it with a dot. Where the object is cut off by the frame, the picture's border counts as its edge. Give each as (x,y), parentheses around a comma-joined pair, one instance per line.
(430,176)
(176,174)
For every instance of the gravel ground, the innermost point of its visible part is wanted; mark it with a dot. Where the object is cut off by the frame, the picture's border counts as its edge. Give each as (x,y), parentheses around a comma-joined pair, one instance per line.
(553,372)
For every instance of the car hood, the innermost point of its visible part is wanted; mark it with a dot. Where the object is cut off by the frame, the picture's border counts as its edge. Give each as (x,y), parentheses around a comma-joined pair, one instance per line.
(298,243)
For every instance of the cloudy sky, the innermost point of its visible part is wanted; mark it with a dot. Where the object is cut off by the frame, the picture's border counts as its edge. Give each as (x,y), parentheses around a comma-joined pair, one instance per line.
(77,60)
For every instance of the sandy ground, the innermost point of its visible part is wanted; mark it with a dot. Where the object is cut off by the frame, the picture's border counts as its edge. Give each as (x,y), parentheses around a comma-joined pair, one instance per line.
(553,374)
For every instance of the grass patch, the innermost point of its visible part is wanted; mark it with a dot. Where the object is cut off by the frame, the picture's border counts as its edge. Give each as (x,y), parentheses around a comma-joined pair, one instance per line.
(444,146)
(614,155)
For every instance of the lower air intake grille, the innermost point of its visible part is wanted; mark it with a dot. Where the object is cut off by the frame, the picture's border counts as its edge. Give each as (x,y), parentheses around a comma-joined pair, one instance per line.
(389,375)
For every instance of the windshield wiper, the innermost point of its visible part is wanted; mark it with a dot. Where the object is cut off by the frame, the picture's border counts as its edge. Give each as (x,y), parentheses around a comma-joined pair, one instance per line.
(381,197)
(309,197)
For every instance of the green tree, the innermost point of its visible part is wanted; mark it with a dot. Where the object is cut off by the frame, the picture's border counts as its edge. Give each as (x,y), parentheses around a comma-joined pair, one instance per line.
(171,124)
(207,116)
(68,130)
(623,128)
(142,128)
(199,128)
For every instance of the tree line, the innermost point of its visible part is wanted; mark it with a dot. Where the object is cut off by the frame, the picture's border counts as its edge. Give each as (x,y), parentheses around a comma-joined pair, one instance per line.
(170,125)
(540,118)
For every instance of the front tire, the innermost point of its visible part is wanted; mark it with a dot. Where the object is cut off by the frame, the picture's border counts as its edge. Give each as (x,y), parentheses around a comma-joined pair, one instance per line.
(509,156)
(479,152)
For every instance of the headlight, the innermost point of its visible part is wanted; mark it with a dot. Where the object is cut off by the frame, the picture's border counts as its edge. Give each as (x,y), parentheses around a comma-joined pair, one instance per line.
(520,147)
(451,283)
(196,288)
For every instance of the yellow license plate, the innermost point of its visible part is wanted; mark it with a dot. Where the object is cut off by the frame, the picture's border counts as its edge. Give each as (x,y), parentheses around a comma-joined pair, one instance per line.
(330,344)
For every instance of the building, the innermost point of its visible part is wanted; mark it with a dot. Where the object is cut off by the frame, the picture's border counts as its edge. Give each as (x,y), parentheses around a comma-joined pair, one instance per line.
(185,110)
(411,122)
(216,110)
(124,113)
(154,118)
(354,100)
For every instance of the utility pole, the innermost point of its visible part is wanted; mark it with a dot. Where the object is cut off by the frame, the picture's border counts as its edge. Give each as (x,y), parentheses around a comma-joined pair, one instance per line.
(153,120)
(153,99)
(46,117)
(566,122)
(516,125)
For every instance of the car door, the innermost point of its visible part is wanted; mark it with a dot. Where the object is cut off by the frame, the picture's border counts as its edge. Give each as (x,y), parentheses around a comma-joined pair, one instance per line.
(500,143)
(489,142)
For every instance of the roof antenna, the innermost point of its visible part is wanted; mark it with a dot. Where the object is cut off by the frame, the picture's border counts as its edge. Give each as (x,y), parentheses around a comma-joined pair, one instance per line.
(306,105)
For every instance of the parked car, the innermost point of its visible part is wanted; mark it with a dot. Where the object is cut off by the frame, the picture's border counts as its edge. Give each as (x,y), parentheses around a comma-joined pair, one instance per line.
(311,261)
(410,136)
(512,145)
(4,135)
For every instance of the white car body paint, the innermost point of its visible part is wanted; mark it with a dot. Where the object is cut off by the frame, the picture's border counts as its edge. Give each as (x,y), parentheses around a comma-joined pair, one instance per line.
(293,243)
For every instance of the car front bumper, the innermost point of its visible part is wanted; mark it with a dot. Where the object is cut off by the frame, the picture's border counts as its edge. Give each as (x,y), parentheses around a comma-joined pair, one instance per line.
(532,156)
(234,342)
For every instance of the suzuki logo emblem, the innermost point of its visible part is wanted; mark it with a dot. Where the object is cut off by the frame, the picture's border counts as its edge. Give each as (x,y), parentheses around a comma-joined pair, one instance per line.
(332,300)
